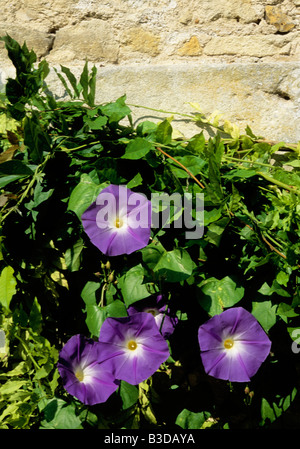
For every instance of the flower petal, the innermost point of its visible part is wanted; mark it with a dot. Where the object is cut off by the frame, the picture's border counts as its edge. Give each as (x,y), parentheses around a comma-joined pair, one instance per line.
(85,354)
(127,241)
(251,345)
(99,221)
(221,365)
(157,306)
(136,365)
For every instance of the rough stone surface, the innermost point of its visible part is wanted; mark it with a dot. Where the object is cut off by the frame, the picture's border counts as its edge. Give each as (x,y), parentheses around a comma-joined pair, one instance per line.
(39,39)
(92,39)
(255,46)
(126,31)
(166,52)
(191,48)
(264,97)
(281,21)
(142,41)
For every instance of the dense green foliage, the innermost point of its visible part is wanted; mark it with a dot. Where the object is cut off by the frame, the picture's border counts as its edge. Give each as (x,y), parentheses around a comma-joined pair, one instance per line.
(56,155)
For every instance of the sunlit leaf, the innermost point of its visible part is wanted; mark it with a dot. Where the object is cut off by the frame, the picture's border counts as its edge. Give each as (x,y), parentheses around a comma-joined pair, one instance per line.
(174,266)
(84,194)
(133,287)
(7,286)
(137,148)
(265,313)
(191,420)
(218,294)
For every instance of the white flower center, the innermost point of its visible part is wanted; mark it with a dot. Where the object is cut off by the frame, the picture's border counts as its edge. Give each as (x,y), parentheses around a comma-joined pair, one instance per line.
(132,345)
(118,222)
(79,374)
(153,312)
(228,343)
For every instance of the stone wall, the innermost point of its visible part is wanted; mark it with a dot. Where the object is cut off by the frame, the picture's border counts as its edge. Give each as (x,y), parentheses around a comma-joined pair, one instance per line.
(237,56)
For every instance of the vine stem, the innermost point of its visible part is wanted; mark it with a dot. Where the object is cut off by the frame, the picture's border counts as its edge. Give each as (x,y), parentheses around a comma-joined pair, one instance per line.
(272,248)
(192,117)
(28,352)
(102,299)
(69,150)
(231,213)
(30,185)
(182,166)
(288,146)
(195,118)
(243,161)
(279,183)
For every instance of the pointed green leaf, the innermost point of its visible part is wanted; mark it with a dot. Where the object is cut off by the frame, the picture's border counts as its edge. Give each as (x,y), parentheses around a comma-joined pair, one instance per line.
(117,110)
(164,132)
(175,266)
(84,194)
(7,286)
(218,294)
(133,287)
(84,81)
(73,256)
(137,148)
(36,140)
(191,420)
(129,394)
(265,314)
(71,78)
(59,415)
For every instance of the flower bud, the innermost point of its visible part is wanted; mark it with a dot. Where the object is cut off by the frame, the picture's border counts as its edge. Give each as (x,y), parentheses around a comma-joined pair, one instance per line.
(111,277)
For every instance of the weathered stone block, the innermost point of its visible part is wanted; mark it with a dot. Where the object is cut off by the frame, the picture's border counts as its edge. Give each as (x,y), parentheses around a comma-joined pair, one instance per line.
(140,40)
(264,96)
(253,45)
(39,40)
(90,39)
(150,39)
(244,10)
(190,48)
(281,21)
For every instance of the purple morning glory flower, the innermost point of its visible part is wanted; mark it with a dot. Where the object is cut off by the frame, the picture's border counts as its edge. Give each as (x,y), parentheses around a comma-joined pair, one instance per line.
(233,345)
(83,374)
(157,306)
(119,221)
(134,347)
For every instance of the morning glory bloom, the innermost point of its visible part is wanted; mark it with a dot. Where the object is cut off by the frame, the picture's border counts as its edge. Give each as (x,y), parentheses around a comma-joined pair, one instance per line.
(157,306)
(233,345)
(119,221)
(134,347)
(83,374)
